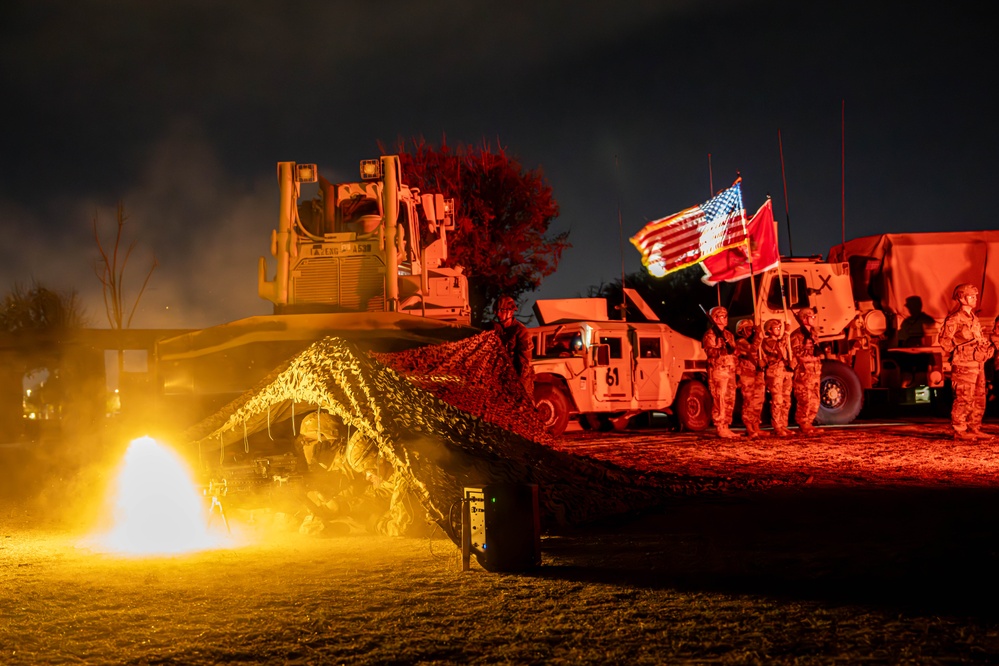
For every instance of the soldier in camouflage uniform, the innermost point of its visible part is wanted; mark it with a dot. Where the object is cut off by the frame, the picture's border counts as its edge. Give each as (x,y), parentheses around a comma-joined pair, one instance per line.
(778,373)
(749,369)
(961,336)
(807,372)
(517,339)
(719,347)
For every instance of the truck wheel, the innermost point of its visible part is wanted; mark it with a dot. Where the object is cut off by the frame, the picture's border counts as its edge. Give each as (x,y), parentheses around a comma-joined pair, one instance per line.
(693,406)
(840,394)
(553,407)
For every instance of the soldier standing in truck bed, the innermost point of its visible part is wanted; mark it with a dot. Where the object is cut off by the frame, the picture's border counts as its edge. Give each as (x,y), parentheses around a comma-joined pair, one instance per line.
(777,370)
(962,338)
(719,347)
(749,368)
(807,372)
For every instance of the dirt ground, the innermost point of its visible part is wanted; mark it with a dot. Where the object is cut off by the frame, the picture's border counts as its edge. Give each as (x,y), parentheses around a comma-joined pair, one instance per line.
(868,544)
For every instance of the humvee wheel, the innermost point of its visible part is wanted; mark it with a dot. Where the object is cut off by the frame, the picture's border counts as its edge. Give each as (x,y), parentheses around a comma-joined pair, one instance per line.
(840,394)
(552,406)
(693,406)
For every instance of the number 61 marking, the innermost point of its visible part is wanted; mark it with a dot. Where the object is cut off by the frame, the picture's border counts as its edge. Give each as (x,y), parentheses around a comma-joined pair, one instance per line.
(612,377)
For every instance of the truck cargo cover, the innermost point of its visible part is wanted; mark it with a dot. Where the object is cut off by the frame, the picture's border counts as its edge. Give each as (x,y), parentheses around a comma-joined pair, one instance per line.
(889,268)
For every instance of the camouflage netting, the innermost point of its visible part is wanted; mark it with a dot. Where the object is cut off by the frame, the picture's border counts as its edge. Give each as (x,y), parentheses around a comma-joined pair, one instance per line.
(435,447)
(476,376)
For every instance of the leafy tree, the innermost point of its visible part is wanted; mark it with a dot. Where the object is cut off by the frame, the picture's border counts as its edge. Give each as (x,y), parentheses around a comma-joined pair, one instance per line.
(37,318)
(502,218)
(38,309)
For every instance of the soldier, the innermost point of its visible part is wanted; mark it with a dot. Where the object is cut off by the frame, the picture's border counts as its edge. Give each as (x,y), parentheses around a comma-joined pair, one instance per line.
(807,372)
(961,336)
(778,372)
(517,340)
(719,346)
(749,369)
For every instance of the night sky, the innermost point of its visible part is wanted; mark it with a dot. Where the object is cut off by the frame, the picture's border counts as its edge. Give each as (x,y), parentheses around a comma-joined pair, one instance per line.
(182,109)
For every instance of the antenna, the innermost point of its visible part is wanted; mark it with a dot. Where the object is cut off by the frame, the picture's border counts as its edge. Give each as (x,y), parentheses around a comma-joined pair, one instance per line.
(711,179)
(787,207)
(842,161)
(620,241)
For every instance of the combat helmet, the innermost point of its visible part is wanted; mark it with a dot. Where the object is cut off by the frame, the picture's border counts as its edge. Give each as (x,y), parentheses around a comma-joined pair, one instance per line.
(772,325)
(807,310)
(505,302)
(362,453)
(744,327)
(965,290)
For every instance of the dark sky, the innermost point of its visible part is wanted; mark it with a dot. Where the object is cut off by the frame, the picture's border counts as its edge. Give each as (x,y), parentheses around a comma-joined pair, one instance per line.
(181,109)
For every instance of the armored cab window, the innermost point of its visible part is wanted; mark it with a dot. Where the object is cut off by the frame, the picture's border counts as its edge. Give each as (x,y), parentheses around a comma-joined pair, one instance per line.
(614,344)
(560,344)
(360,215)
(795,291)
(310,214)
(650,348)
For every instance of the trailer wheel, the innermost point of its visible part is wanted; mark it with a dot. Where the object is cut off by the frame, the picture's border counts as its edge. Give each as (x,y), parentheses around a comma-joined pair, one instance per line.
(553,407)
(693,406)
(840,394)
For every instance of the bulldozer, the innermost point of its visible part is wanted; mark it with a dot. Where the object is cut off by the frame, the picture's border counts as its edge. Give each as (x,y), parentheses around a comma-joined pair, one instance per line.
(372,246)
(364,261)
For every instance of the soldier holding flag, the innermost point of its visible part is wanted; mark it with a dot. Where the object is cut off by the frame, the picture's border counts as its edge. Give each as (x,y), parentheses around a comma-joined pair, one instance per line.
(749,369)
(778,372)
(807,371)
(719,347)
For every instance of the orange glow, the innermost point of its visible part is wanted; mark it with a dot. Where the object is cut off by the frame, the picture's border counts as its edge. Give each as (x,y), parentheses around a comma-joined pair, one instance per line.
(156,507)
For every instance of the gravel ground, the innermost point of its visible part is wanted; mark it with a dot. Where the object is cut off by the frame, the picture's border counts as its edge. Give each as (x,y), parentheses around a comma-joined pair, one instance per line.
(868,544)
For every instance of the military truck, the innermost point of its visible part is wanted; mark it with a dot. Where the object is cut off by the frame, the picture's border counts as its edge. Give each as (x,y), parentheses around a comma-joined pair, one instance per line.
(880,300)
(605,372)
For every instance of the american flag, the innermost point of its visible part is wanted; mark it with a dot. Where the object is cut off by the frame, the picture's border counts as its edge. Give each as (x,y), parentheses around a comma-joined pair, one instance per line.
(690,236)
(735,263)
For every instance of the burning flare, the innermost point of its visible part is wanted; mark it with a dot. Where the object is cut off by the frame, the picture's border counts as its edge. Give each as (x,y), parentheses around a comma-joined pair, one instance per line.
(156,506)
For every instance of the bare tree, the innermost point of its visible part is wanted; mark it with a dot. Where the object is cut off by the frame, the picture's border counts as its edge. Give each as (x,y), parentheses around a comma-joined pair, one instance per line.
(110,270)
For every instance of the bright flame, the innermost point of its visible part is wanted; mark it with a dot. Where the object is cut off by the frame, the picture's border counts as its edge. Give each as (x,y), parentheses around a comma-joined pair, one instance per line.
(156,506)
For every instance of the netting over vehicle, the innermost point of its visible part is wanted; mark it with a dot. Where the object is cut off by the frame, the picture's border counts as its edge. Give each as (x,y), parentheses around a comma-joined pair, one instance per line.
(436,419)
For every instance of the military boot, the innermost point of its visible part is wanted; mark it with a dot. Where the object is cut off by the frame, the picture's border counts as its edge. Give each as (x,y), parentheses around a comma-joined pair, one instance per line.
(726,433)
(965,435)
(978,433)
(783,432)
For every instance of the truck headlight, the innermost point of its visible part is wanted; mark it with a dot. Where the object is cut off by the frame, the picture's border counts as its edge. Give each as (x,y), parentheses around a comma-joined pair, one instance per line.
(875,322)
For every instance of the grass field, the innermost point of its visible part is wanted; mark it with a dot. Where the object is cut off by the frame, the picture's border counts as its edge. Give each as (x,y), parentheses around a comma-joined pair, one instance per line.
(881,549)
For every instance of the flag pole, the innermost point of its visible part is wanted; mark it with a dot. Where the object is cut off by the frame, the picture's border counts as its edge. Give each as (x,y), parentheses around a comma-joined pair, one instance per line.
(749,255)
(780,284)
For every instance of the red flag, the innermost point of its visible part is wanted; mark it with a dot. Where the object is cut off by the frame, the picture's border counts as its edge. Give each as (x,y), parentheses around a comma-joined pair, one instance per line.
(733,264)
(686,238)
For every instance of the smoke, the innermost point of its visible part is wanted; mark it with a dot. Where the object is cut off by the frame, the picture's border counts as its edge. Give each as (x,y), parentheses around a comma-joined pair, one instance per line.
(204,229)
